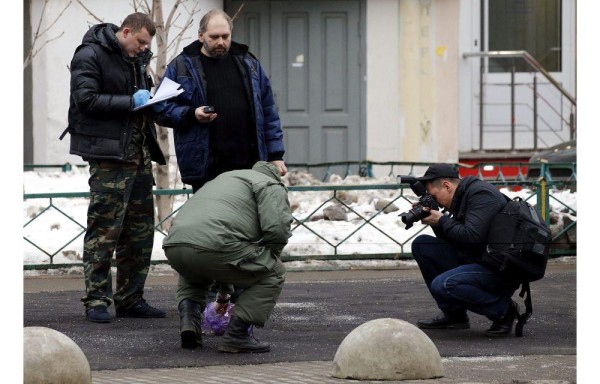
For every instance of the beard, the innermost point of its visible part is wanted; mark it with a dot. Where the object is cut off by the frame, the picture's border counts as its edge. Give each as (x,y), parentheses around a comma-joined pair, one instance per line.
(215,51)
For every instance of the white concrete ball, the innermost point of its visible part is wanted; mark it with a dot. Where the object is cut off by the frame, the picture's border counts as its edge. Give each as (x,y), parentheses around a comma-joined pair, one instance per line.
(387,349)
(50,356)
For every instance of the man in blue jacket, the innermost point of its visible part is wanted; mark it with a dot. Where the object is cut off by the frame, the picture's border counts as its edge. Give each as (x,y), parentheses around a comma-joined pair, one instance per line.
(244,126)
(450,261)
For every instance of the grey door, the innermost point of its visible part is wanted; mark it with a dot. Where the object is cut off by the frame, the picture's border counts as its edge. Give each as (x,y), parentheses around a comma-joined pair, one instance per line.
(312,53)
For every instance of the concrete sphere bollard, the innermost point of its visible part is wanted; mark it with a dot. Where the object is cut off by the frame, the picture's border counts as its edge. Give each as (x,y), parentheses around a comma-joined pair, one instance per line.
(52,357)
(387,349)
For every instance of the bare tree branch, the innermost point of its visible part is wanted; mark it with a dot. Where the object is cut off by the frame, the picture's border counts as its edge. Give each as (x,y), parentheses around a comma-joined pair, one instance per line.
(170,20)
(90,12)
(238,11)
(142,6)
(178,39)
(55,20)
(147,8)
(45,42)
(29,56)
(171,23)
(37,31)
(32,51)
(134,5)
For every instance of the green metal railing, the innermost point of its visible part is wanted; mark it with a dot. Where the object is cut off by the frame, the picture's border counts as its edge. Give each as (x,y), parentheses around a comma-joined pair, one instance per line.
(66,167)
(541,192)
(365,169)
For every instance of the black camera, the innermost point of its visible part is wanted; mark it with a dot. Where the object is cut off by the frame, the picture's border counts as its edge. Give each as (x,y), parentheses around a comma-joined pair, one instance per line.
(208,109)
(425,200)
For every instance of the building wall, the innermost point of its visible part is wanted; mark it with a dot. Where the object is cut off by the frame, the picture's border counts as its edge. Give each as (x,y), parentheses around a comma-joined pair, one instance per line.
(385,122)
(411,76)
(412,80)
(446,57)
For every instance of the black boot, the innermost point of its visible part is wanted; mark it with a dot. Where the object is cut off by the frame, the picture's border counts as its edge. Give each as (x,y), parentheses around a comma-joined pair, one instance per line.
(237,339)
(503,327)
(190,323)
(446,321)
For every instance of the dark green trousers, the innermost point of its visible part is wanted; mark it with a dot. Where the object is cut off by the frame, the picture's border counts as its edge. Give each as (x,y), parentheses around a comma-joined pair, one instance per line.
(121,222)
(260,274)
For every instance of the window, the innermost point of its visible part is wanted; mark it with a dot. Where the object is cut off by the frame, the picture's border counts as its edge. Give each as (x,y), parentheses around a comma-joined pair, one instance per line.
(530,25)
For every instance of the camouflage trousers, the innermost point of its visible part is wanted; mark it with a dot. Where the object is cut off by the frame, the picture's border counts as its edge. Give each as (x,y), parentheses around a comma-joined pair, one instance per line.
(120,221)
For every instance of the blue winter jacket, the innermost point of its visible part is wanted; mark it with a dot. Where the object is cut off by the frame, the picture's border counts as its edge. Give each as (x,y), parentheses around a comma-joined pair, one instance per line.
(192,137)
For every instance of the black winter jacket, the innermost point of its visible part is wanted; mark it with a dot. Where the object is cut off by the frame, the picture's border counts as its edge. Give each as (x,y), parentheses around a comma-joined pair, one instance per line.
(474,205)
(103,81)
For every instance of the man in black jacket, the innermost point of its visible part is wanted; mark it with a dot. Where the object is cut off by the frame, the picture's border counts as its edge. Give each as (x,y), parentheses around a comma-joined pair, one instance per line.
(450,261)
(108,82)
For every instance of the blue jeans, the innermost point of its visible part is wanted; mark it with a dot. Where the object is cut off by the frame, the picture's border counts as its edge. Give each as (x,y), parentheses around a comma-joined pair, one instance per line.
(458,287)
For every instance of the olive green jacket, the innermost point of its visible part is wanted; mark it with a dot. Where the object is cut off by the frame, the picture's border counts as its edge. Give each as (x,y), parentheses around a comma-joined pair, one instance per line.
(236,213)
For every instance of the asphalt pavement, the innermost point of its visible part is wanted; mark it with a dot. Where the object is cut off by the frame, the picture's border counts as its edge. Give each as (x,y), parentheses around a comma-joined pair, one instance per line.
(316,310)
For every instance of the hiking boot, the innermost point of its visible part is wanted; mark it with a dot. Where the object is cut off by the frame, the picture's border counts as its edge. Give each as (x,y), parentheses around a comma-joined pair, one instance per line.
(237,339)
(141,309)
(503,327)
(190,323)
(98,314)
(445,321)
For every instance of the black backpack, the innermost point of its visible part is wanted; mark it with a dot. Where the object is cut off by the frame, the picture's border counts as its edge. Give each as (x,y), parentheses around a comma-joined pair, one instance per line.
(517,248)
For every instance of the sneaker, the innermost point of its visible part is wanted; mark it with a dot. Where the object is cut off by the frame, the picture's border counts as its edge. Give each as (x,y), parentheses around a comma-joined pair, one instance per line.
(444,321)
(98,314)
(141,309)
(504,326)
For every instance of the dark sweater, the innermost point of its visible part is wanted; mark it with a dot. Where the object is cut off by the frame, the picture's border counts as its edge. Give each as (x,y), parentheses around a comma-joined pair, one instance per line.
(232,133)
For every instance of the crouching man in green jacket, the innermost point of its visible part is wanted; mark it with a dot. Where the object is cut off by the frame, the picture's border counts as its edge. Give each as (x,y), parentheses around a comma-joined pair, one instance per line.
(232,230)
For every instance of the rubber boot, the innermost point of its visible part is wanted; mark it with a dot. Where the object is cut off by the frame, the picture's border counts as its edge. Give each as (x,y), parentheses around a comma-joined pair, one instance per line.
(190,323)
(237,340)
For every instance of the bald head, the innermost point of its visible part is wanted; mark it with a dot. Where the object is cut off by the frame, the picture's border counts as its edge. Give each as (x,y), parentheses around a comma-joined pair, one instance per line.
(215,33)
(210,15)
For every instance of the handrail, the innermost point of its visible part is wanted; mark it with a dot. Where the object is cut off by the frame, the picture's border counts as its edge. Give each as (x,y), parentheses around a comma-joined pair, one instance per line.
(531,61)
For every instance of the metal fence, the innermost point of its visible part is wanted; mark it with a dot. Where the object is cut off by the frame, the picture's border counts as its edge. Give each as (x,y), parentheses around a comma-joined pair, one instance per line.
(358,231)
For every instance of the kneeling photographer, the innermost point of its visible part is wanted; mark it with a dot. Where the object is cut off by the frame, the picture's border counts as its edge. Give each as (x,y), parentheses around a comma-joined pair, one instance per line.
(450,261)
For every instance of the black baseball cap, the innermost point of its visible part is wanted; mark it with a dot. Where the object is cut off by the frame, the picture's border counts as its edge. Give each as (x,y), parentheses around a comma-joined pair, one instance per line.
(436,171)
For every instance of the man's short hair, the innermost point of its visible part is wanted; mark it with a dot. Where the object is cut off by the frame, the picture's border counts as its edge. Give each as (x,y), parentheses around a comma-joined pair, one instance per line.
(209,15)
(137,21)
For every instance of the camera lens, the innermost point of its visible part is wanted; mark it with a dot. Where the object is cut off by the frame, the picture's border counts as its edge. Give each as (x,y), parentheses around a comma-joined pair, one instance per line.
(412,216)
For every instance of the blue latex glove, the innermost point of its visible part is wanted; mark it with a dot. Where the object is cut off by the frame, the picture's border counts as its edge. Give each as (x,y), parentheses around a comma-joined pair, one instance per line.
(159,107)
(141,97)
